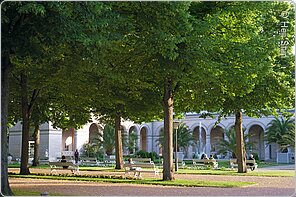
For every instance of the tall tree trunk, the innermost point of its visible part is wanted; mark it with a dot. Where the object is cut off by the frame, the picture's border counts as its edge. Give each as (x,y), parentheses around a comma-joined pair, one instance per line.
(168,102)
(240,148)
(5,69)
(36,144)
(73,141)
(118,143)
(25,125)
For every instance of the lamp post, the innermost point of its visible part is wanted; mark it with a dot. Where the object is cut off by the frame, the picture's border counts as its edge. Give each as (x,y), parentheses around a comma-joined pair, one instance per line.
(175,126)
(200,142)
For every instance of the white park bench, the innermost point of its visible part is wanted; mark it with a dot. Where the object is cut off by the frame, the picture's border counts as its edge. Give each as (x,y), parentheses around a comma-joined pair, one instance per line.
(60,166)
(142,160)
(205,162)
(250,163)
(139,168)
(89,161)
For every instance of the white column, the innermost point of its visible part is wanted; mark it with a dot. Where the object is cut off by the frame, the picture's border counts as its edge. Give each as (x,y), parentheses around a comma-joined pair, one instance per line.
(267,152)
(190,152)
(199,139)
(208,144)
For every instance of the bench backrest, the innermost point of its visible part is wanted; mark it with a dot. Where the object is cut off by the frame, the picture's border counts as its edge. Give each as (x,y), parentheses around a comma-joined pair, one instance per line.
(247,161)
(61,163)
(251,161)
(141,165)
(148,160)
(88,159)
(110,157)
(203,160)
(110,160)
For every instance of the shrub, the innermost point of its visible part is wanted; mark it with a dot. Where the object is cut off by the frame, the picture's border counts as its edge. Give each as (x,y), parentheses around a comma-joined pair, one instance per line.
(256,156)
(142,154)
(153,156)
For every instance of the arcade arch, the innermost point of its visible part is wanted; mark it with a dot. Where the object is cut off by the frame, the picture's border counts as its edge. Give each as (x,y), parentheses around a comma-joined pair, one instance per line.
(199,137)
(95,133)
(257,138)
(132,140)
(216,135)
(143,138)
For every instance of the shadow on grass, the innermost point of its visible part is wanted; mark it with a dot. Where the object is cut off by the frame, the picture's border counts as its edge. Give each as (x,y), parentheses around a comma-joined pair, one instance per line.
(131,180)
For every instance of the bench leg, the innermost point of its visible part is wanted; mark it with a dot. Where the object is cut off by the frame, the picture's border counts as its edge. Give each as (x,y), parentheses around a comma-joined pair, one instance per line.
(136,174)
(52,170)
(139,175)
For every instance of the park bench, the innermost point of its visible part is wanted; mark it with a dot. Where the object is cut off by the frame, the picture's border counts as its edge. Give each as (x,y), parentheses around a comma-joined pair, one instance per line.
(68,158)
(181,163)
(59,166)
(139,168)
(250,163)
(205,162)
(89,161)
(110,160)
(142,160)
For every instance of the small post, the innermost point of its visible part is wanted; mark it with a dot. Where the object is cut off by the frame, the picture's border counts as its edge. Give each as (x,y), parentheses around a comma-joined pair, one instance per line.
(175,127)
(44,194)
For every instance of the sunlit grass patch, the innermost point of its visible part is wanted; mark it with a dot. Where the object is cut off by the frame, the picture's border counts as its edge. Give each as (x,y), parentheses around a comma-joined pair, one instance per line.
(19,192)
(273,173)
(130,180)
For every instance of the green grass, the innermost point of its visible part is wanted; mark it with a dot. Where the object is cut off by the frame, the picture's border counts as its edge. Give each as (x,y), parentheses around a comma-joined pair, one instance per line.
(149,181)
(18,192)
(25,193)
(261,164)
(273,173)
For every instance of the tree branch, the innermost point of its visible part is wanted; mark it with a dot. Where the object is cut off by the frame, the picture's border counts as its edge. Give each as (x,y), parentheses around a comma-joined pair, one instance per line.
(33,98)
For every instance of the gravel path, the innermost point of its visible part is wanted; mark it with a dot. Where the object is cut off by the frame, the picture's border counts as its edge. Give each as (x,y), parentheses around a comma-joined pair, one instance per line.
(266,186)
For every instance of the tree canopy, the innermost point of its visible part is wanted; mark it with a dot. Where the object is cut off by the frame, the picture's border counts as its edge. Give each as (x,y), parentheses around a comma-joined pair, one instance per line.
(144,61)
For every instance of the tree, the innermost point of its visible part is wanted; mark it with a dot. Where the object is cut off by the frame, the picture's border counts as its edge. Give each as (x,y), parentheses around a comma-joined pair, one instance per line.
(33,50)
(120,91)
(246,73)
(108,137)
(229,144)
(159,31)
(5,69)
(282,132)
(93,149)
(130,142)
(184,138)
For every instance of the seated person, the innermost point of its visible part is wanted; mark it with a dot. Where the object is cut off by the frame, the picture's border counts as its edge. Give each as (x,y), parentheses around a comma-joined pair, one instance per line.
(251,158)
(64,160)
(205,157)
(130,161)
(212,161)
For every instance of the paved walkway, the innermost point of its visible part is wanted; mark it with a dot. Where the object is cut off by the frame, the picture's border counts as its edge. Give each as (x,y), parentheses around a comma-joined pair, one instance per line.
(266,186)
(283,167)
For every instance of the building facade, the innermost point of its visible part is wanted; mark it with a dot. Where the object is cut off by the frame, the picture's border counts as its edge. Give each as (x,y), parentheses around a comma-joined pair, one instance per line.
(206,134)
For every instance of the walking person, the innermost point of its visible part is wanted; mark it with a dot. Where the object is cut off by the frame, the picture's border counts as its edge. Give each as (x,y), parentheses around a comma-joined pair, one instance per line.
(76,156)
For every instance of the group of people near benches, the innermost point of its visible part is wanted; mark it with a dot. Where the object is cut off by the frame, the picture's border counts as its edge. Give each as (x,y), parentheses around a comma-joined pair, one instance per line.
(212,160)
(76,157)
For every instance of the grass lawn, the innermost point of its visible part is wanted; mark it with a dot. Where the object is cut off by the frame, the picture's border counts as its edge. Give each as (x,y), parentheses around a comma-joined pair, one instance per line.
(18,192)
(273,173)
(149,181)
(227,172)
